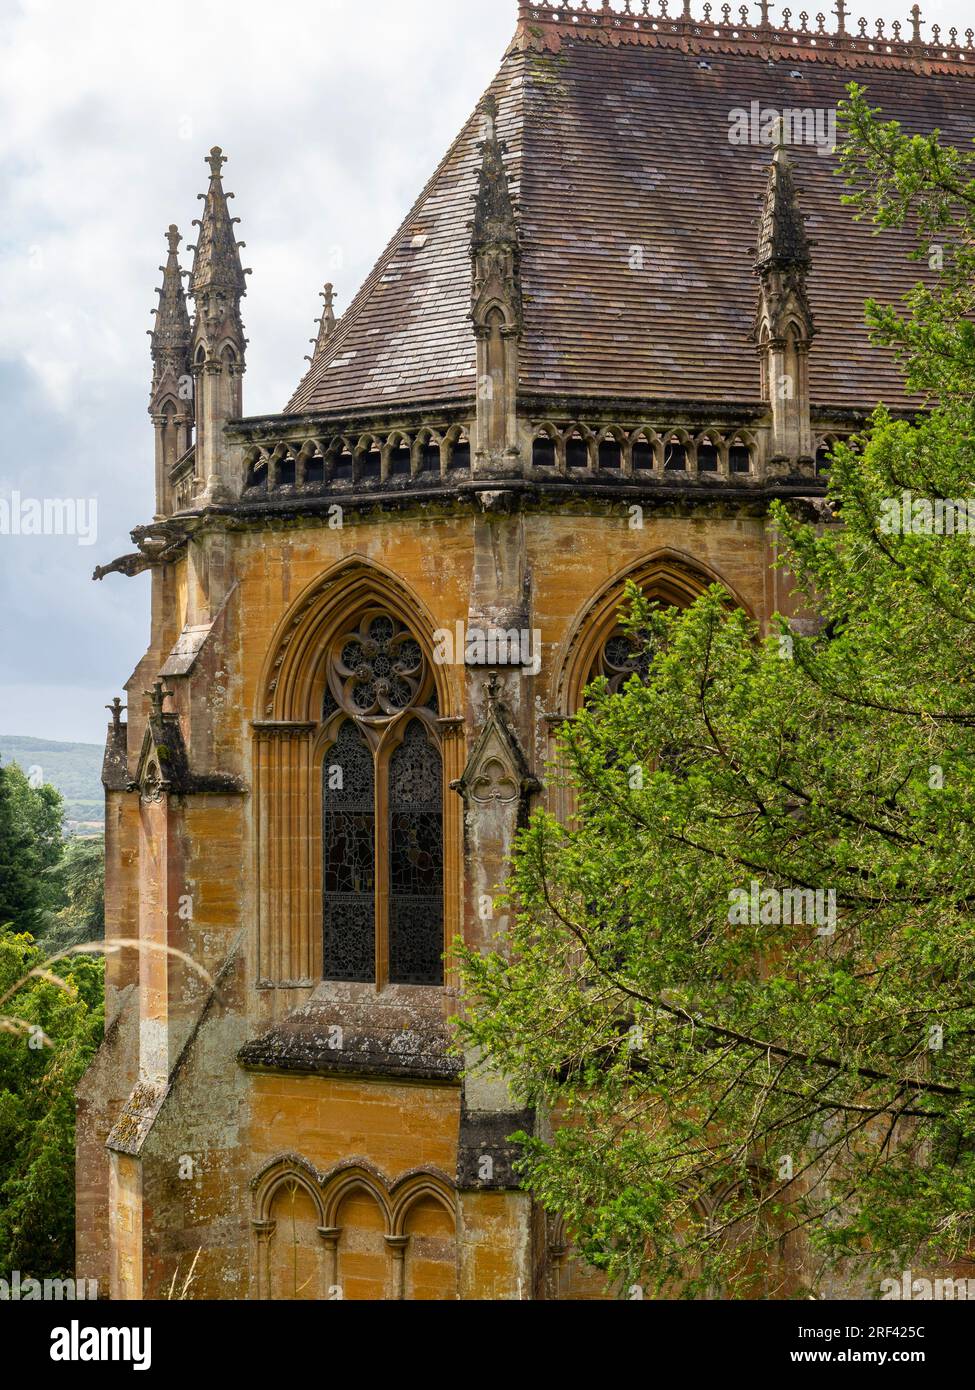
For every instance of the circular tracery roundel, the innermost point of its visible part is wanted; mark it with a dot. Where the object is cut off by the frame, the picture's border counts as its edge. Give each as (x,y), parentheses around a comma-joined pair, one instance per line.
(620,658)
(377,671)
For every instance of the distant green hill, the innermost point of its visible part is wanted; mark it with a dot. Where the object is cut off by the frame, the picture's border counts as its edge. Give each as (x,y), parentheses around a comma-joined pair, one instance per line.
(74,768)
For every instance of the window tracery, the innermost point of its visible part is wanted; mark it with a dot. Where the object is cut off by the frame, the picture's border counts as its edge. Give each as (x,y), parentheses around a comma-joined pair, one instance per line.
(620,658)
(382,779)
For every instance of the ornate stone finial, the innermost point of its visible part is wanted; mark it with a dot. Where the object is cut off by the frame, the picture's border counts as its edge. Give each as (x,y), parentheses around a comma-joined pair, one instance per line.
(494,692)
(157,698)
(765,8)
(489,115)
(326,324)
(116,708)
(170,336)
(783,241)
(841,13)
(494,214)
(916,24)
(216,160)
(216,264)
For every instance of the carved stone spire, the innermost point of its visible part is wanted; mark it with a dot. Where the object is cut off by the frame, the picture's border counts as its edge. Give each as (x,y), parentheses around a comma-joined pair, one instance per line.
(170,334)
(494,214)
(785,327)
(216,265)
(495,300)
(218,283)
(326,324)
(782,238)
(171,402)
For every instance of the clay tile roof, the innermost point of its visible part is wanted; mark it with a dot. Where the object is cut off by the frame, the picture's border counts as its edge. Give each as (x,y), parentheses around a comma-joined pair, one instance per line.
(640,219)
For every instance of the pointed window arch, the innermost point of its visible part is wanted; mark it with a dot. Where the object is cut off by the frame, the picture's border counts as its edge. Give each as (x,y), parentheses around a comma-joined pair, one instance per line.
(740,456)
(382,810)
(675,454)
(597,644)
(349,670)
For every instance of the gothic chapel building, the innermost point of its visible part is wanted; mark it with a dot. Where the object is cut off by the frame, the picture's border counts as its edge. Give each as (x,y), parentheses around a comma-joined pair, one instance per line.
(606,335)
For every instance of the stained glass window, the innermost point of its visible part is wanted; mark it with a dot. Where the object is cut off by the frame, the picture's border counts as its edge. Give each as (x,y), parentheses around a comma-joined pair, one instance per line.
(379,678)
(416,861)
(349,824)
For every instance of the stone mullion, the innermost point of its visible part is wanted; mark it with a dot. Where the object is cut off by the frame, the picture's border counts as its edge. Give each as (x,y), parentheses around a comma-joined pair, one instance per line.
(397,1246)
(302,857)
(454,755)
(274,859)
(316,850)
(265,968)
(282,897)
(382,838)
(330,1238)
(264,1232)
(279,852)
(291,852)
(286,951)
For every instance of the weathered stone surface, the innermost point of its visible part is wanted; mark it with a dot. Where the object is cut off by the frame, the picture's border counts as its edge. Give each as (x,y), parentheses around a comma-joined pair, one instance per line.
(486,1155)
(348,1030)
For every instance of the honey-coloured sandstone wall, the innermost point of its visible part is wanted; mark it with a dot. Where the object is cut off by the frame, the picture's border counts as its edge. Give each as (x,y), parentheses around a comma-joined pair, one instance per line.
(292,1173)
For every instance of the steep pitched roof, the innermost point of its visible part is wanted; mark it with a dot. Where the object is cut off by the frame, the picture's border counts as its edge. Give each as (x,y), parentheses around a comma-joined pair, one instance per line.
(640,221)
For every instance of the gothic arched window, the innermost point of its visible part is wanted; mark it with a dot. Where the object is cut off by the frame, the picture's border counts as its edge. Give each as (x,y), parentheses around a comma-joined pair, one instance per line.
(382,809)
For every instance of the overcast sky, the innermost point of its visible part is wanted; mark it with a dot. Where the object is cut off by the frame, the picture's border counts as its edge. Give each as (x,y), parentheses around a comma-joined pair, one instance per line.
(333,114)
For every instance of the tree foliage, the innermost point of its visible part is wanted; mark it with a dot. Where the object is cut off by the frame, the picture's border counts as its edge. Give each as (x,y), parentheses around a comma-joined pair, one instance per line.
(60,1023)
(51,1021)
(78,881)
(719,1079)
(30,844)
